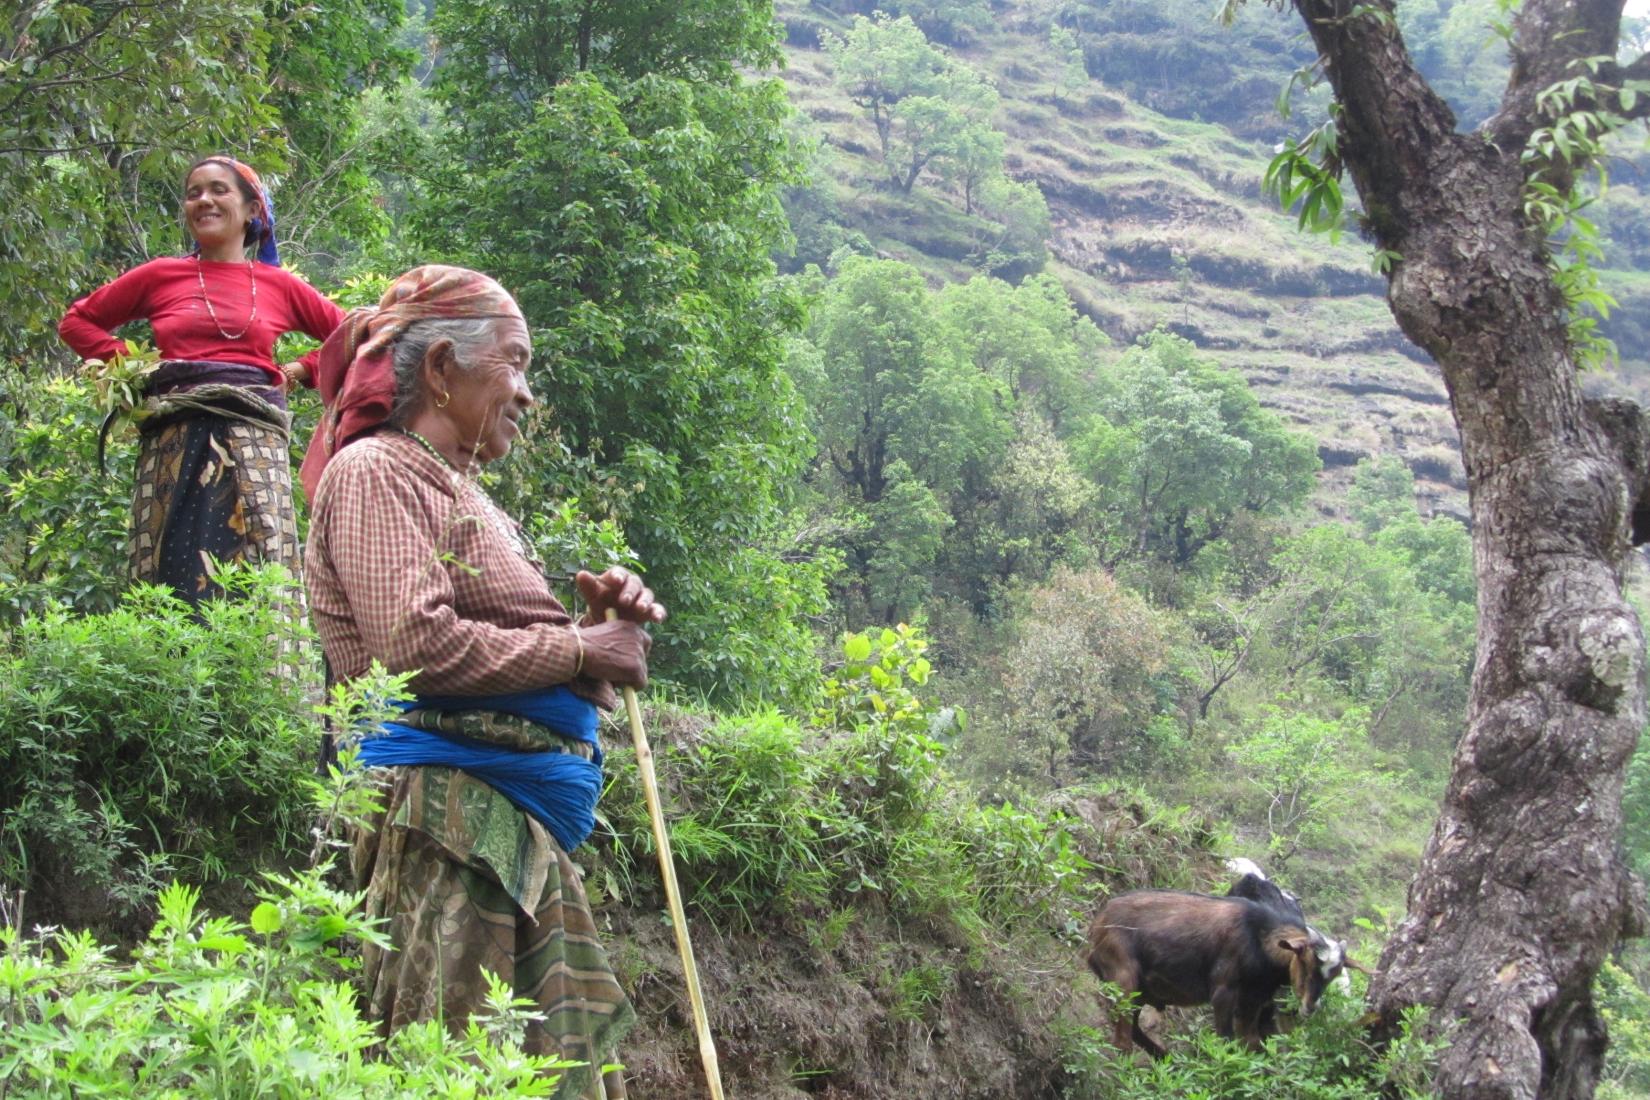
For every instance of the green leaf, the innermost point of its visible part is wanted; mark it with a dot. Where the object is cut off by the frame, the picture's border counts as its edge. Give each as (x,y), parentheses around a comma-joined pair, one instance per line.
(266,919)
(228,943)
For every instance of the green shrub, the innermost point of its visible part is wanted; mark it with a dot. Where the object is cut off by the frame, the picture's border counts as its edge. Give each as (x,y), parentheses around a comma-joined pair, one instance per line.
(1081,688)
(1625,1007)
(1026,866)
(881,730)
(745,829)
(1326,1057)
(217,1007)
(768,816)
(153,740)
(63,540)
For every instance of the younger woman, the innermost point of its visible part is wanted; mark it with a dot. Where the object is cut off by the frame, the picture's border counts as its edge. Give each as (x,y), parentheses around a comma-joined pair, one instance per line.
(213,478)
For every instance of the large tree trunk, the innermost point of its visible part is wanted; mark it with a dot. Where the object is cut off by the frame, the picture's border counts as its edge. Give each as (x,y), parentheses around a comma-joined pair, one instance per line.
(1522,889)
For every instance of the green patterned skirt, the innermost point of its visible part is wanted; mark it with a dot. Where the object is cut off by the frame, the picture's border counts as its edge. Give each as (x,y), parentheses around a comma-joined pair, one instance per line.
(465,882)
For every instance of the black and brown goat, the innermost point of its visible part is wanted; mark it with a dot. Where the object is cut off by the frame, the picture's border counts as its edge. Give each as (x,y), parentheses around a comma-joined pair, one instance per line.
(1189,949)
(1253,884)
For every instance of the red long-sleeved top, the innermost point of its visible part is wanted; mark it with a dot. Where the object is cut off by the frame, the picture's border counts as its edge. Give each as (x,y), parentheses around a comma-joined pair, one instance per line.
(167,292)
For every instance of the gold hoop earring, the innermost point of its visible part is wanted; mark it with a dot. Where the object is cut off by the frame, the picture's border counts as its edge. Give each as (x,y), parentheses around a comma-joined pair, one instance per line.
(445,398)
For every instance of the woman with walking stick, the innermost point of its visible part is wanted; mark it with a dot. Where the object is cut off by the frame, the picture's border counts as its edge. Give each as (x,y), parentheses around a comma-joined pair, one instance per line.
(491,777)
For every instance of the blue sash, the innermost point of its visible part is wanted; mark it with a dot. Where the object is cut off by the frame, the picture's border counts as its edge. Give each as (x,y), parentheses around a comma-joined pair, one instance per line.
(558,789)
(555,708)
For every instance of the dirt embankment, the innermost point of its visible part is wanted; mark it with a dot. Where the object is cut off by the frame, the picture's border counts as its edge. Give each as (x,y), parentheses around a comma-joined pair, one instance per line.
(857,1004)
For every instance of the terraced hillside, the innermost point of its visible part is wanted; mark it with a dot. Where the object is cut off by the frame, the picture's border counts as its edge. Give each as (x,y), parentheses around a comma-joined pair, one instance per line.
(1160,221)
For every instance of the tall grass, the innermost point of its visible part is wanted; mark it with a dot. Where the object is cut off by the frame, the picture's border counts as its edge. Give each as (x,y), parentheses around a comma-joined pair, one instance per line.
(772,816)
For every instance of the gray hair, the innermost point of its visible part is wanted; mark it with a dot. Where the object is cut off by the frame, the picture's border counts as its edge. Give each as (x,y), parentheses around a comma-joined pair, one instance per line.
(469,336)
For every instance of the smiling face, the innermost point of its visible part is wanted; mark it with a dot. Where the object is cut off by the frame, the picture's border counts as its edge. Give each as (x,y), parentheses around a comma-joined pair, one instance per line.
(217,208)
(489,393)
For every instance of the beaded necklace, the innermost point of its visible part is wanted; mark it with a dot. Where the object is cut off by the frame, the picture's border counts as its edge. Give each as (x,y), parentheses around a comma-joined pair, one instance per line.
(428,446)
(491,515)
(252,272)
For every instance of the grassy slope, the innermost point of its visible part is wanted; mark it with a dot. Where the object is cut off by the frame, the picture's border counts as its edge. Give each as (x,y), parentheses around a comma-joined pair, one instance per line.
(856,997)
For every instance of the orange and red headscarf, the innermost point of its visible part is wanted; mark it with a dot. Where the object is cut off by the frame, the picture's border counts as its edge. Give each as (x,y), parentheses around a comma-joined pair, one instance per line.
(356,372)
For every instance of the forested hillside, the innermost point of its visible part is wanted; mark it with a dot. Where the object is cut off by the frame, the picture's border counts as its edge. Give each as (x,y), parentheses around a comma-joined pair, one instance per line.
(1045,511)
(1155,215)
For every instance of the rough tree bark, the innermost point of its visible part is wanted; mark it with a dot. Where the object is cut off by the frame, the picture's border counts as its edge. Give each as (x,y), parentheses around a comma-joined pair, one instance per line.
(1522,889)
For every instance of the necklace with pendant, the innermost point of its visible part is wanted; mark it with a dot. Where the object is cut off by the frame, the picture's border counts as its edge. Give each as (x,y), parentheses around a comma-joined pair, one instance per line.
(252,273)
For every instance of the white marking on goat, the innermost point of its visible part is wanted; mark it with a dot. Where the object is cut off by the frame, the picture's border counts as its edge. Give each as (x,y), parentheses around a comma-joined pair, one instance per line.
(1240,866)
(1331,954)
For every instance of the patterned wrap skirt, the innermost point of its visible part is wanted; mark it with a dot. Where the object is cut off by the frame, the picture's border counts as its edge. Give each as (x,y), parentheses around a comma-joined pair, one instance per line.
(214,478)
(465,882)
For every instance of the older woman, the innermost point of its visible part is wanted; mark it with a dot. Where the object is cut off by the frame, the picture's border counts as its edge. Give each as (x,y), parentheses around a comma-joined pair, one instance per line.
(492,776)
(213,478)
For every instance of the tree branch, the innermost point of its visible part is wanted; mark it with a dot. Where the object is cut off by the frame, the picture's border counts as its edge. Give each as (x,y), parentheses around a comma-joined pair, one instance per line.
(1549,37)
(1390,121)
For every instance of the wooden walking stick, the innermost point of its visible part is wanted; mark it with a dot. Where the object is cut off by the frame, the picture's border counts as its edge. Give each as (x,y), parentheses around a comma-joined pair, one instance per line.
(673,894)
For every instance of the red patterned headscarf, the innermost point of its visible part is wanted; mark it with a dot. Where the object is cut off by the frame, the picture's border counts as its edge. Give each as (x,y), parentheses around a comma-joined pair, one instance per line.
(356,372)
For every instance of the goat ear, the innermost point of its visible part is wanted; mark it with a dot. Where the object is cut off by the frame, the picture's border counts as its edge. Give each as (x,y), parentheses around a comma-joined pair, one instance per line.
(1353,964)
(1297,943)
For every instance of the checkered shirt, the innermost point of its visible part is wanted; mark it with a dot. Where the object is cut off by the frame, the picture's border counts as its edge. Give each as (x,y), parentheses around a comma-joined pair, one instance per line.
(409,562)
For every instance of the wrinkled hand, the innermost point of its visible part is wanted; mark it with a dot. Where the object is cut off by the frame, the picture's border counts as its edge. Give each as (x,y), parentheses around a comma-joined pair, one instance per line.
(616,651)
(619,590)
(294,374)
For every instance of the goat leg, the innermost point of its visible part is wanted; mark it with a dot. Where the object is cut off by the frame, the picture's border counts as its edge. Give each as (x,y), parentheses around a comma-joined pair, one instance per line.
(1225,1003)
(1143,1040)
(1252,1023)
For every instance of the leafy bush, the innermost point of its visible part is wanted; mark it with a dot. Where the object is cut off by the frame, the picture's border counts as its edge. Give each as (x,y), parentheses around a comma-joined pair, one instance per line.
(151,740)
(64,538)
(217,1007)
(1625,1007)
(769,816)
(1082,683)
(1326,1057)
(1299,763)
(1024,864)
(746,829)
(884,746)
